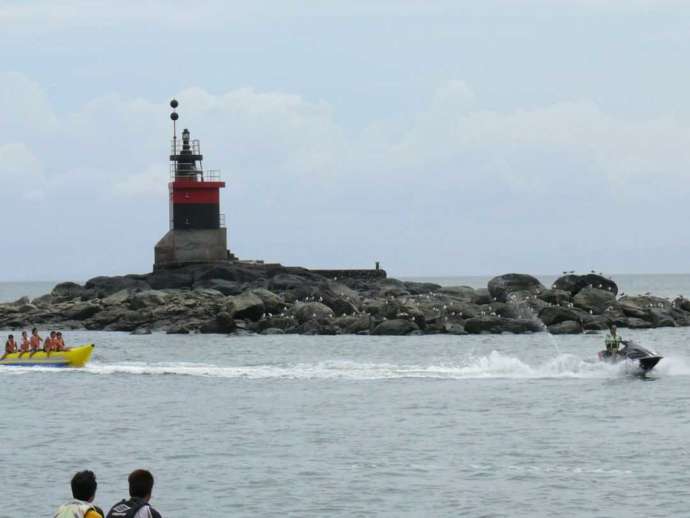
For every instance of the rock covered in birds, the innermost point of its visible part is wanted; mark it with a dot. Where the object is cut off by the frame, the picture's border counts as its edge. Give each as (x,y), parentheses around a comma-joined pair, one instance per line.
(521,284)
(573,283)
(595,300)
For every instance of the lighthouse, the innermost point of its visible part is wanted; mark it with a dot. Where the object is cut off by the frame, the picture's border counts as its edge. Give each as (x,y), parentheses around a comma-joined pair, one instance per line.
(197,232)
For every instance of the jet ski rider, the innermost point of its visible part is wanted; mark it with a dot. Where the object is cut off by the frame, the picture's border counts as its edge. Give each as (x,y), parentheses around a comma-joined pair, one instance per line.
(613,341)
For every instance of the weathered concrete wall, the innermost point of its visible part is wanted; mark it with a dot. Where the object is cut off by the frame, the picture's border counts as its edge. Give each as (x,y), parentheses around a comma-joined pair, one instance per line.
(180,247)
(352,274)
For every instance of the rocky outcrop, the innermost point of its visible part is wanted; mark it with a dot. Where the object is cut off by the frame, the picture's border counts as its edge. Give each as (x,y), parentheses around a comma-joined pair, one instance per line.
(595,300)
(516,284)
(575,283)
(270,299)
(556,314)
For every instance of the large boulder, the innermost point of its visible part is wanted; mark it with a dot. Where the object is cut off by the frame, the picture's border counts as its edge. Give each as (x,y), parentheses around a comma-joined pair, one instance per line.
(68,290)
(518,284)
(354,324)
(273,303)
(396,326)
(682,303)
(595,299)
(283,323)
(117,299)
(453,328)
(557,314)
(575,283)
(555,296)
(459,292)
(634,323)
(644,302)
(305,311)
(246,306)
(104,286)
(661,317)
(106,317)
(481,296)
(657,311)
(341,306)
(220,324)
(505,310)
(80,311)
(597,322)
(223,286)
(419,288)
(148,298)
(236,272)
(497,325)
(287,281)
(170,279)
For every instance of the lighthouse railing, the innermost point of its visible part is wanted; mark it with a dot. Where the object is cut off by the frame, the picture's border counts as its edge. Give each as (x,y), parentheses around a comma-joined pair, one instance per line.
(211,175)
(176,146)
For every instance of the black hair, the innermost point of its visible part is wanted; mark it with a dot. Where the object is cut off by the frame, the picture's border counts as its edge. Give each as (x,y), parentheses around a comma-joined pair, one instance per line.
(11,336)
(84,485)
(140,483)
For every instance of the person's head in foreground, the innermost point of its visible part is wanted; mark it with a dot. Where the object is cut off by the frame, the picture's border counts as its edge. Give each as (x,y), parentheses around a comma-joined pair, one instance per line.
(84,486)
(140,484)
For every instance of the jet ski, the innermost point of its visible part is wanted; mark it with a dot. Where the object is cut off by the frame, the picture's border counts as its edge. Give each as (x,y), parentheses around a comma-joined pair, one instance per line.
(646,359)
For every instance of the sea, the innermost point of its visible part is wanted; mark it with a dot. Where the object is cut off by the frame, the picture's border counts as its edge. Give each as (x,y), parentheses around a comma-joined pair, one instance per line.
(321,426)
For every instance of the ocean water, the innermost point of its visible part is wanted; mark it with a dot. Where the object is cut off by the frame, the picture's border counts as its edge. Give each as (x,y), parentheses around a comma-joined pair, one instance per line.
(502,425)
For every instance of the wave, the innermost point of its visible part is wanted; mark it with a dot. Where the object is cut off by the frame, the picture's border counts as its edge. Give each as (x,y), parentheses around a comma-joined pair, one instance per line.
(493,366)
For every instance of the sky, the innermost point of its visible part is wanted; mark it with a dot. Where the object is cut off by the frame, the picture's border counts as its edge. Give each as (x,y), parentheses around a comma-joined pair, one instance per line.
(437,137)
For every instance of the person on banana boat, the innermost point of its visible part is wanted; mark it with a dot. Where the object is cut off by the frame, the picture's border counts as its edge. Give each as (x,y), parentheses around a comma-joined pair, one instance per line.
(60,342)
(25,344)
(50,343)
(10,346)
(35,341)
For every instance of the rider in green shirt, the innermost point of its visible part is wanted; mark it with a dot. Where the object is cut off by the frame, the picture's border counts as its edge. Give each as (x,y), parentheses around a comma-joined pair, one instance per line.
(613,341)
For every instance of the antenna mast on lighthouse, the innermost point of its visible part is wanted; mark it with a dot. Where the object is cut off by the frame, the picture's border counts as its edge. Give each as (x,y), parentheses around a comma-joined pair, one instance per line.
(174,116)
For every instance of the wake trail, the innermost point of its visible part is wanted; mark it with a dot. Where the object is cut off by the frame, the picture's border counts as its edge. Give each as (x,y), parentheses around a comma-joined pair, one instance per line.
(492,366)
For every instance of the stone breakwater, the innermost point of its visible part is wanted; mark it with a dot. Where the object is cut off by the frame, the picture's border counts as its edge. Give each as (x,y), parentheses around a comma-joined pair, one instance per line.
(237,298)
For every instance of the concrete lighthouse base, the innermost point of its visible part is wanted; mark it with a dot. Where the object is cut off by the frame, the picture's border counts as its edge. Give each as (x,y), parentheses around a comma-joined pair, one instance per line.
(183,247)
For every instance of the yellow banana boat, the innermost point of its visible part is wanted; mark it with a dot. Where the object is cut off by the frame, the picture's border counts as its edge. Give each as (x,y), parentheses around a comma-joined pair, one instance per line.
(74,357)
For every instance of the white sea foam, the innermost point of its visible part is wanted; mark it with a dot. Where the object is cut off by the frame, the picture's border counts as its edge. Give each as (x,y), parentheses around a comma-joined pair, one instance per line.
(493,366)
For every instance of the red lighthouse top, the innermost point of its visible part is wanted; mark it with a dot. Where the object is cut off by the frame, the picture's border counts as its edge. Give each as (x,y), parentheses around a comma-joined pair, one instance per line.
(194,193)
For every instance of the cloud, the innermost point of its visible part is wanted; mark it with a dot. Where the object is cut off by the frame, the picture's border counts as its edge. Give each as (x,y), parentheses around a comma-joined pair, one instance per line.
(445,189)
(26,111)
(21,173)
